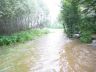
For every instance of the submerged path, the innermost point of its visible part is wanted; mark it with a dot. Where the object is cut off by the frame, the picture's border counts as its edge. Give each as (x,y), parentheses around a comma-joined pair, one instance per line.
(53,52)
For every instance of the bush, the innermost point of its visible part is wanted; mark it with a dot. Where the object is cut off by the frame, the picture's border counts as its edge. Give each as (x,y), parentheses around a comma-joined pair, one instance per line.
(78,21)
(21,36)
(86,29)
(70,16)
(86,37)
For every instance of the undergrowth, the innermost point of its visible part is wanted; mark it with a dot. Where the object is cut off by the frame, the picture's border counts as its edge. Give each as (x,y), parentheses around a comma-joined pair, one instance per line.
(22,36)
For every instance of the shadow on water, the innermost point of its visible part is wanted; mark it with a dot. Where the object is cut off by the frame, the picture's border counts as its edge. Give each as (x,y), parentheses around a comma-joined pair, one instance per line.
(78,57)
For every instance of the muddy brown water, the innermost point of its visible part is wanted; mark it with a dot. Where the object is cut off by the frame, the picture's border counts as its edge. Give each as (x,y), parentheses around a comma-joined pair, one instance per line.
(53,52)
(78,57)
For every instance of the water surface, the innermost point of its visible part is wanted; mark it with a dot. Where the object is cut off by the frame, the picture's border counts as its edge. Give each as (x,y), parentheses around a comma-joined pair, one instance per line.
(53,52)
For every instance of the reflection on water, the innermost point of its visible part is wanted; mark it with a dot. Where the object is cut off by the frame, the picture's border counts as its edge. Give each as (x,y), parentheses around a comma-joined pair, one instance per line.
(49,48)
(50,53)
(78,57)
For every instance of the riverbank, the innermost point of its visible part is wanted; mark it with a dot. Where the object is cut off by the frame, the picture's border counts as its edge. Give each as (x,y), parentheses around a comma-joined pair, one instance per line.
(22,36)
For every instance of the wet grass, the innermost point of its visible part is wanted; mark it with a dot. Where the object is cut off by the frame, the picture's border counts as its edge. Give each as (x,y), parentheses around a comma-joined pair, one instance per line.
(22,36)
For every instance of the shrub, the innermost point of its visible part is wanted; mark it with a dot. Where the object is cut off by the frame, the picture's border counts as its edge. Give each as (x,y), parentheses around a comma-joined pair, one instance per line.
(86,37)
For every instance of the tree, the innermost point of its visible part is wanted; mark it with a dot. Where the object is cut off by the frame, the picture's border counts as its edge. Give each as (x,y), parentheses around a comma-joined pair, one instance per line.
(70,16)
(17,15)
(79,16)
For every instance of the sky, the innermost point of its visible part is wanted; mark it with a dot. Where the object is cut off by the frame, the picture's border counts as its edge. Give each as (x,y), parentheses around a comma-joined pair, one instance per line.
(54,8)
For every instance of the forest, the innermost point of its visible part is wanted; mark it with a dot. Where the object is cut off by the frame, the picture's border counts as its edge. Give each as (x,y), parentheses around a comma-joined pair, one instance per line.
(18,17)
(79,17)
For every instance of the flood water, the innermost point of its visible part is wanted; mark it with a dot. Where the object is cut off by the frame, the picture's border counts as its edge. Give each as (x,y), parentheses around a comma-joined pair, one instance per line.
(53,52)
(78,57)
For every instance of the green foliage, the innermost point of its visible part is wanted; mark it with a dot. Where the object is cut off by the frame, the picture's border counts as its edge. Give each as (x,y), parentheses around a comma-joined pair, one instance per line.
(22,36)
(19,15)
(89,6)
(86,37)
(13,8)
(79,16)
(10,8)
(70,16)
(86,24)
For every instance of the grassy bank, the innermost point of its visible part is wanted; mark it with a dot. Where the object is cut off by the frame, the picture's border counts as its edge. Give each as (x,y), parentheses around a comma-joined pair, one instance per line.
(22,36)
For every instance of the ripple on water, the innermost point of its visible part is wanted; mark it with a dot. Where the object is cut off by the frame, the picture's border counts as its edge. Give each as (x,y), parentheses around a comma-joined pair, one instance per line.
(80,57)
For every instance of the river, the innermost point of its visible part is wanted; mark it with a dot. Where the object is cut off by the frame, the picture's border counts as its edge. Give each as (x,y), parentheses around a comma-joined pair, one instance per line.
(53,52)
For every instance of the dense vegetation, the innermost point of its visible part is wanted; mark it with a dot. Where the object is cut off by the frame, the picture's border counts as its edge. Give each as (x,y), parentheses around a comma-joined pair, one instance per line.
(22,36)
(18,15)
(78,17)
(21,20)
